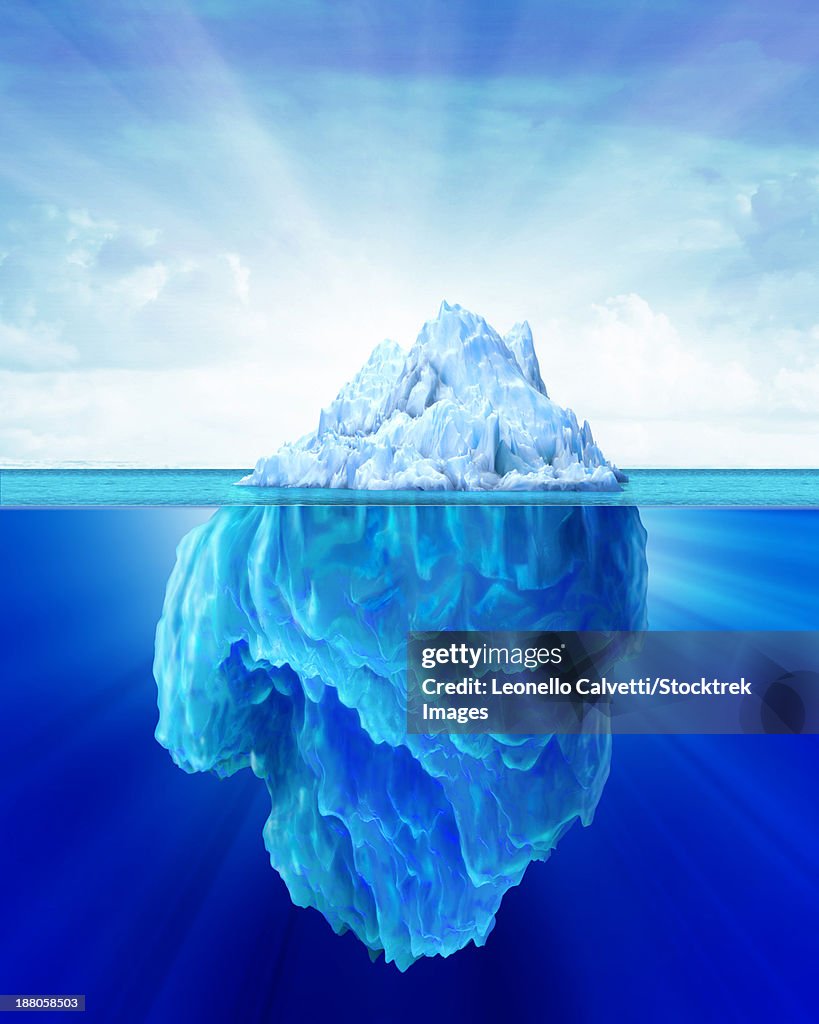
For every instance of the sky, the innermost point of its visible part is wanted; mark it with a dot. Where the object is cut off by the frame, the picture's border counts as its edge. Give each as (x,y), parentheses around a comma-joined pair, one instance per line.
(211,212)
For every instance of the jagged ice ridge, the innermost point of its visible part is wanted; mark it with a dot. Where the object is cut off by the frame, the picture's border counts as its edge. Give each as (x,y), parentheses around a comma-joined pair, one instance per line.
(465,409)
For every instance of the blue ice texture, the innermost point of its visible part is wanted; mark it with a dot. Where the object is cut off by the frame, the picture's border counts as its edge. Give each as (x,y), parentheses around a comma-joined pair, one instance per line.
(465,410)
(282,649)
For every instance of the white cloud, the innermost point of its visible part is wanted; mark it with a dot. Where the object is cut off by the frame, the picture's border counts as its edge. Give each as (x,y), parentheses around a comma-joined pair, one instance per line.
(742,443)
(782,226)
(142,285)
(35,348)
(207,416)
(121,295)
(652,397)
(656,396)
(241,276)
(799,390)
(629,361)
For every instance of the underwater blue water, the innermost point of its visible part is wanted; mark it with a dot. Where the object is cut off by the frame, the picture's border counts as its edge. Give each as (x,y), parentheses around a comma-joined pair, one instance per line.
(693,895)
(217,487)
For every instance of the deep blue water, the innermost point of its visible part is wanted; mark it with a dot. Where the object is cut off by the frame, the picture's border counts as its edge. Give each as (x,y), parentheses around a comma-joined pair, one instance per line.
(216,487)
(693,895)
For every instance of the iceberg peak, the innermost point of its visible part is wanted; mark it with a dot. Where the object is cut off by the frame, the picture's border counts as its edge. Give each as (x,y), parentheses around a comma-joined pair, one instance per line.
(464,409)
(521,344)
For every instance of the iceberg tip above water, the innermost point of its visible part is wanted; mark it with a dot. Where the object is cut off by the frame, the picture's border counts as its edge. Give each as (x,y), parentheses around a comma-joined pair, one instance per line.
(465,409)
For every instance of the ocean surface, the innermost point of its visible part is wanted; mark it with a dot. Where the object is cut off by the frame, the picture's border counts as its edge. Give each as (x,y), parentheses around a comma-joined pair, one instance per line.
(768,488)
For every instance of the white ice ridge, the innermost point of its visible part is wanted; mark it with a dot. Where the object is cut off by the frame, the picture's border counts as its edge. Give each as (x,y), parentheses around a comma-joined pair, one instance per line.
(464,410)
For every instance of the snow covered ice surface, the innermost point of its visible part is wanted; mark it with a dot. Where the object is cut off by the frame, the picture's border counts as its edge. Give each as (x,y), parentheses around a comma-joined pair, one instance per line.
(465,409)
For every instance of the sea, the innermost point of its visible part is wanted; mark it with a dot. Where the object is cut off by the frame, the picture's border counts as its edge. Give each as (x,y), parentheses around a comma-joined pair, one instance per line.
(150,890)
(732,488)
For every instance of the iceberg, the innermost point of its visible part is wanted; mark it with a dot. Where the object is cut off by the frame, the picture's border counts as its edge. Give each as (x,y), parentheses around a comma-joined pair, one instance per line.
(465,409)
(282,649)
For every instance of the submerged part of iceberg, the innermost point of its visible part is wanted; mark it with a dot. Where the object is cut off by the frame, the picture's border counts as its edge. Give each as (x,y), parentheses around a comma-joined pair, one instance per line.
(282,648)
(465,409)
